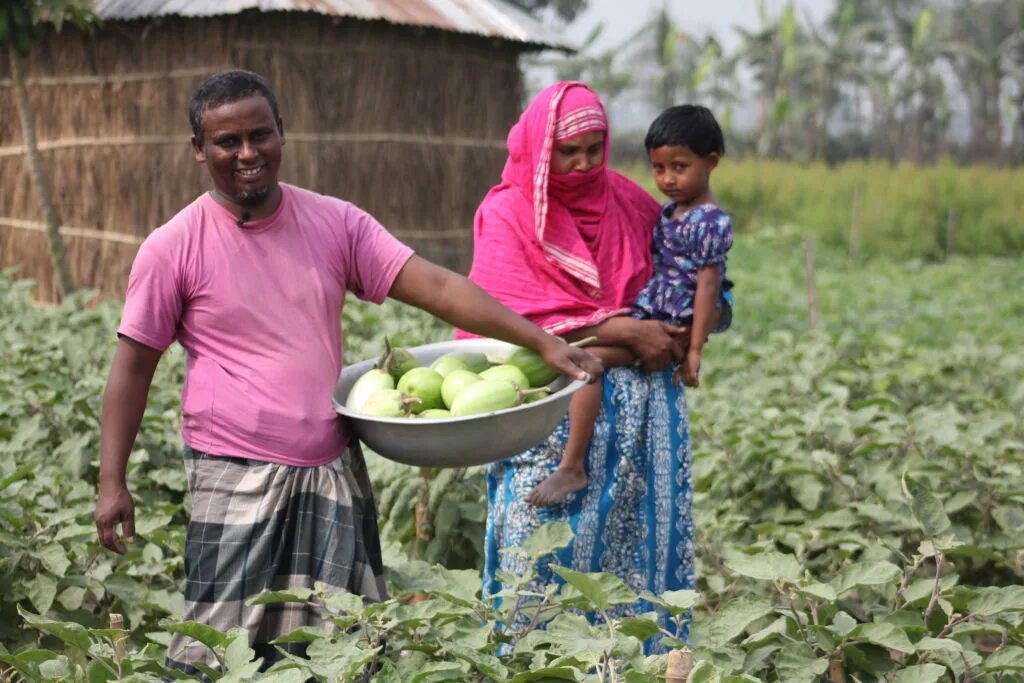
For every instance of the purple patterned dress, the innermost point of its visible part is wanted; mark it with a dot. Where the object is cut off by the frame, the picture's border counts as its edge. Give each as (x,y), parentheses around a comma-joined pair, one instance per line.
(682,246)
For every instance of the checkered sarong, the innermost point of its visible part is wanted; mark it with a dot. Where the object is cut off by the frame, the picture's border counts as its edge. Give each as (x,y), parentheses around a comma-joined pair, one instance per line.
(259,526)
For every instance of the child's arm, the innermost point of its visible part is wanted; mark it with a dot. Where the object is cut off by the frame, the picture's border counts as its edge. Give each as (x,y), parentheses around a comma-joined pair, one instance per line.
(613,356)
(705,313)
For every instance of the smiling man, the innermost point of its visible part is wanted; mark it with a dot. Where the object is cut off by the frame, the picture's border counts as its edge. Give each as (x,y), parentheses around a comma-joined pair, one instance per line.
(250,279)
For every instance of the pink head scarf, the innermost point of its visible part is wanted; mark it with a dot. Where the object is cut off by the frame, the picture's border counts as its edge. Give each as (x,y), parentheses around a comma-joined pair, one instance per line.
(582,240)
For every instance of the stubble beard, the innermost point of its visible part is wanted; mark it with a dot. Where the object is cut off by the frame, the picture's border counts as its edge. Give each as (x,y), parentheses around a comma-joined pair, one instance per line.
(252,197)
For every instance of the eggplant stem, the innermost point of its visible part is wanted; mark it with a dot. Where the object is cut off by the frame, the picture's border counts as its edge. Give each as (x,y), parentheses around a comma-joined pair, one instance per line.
(586,341)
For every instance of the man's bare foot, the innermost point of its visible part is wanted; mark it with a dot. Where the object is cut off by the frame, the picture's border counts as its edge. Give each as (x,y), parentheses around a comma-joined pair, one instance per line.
(556,487)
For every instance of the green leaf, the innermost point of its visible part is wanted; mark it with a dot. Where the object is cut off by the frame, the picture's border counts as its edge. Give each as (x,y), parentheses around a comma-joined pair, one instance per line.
(414,577)
(17,474)
(274,597)
(843,623)
(922,673)
(640,628)
(866,574)
(71,598)
(1009,658)
(797,662)
(303,634)
(730,621)
(334,661)
(238,654)
(294,675)
(674,602)
(71,633)
(547,539)
(884,634)
(766,566)
(938,645)
(207,635)
(705,672)
(55,669)
(41,589)
(54,558)
(821,591)
(990,601)
(481,661)
(601,590)
(926,506)
(343,602)
(544,675)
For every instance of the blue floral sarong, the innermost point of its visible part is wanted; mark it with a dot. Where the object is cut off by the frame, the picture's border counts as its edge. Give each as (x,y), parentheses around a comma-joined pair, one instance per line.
(634,519)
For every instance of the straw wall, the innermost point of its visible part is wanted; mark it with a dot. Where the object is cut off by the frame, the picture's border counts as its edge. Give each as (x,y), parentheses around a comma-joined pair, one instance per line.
(407,123)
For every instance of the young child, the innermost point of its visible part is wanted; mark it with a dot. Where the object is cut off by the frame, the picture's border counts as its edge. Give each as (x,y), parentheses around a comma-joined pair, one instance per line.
(690,243)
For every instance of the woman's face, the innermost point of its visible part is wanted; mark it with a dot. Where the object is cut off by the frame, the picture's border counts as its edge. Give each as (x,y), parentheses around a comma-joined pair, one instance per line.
(578,154)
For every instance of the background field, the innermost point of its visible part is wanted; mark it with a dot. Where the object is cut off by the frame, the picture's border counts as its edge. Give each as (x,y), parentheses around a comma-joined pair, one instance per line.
(801,441)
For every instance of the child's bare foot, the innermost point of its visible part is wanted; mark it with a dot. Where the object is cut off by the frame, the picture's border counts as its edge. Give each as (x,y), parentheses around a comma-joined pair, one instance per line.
(556,487)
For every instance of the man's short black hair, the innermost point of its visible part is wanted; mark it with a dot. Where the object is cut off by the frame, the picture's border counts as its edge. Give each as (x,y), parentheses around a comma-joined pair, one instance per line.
(686,125)
(226,87)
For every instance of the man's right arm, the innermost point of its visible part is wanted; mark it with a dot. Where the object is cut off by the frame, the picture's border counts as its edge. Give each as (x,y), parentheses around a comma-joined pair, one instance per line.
(124,402)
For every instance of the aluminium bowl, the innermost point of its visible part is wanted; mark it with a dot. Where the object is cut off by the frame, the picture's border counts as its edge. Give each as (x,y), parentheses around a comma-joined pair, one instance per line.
(456,441)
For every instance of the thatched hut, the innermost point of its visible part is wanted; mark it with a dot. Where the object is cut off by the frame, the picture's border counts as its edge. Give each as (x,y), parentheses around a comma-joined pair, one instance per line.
(399,107)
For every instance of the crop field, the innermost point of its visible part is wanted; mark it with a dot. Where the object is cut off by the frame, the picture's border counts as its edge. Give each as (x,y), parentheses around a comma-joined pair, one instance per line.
(859,497)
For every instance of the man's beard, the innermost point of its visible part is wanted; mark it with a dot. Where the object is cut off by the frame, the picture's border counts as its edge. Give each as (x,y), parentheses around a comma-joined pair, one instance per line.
(252,197)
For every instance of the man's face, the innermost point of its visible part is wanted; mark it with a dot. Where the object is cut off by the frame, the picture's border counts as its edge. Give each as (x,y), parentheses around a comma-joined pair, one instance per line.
(241,148)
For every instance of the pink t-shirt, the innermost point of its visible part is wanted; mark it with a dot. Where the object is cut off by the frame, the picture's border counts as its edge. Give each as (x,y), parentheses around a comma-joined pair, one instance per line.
(258,311)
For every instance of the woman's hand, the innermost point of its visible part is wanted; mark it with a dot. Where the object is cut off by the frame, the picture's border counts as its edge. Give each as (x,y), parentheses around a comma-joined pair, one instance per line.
(658,345)
(655,344)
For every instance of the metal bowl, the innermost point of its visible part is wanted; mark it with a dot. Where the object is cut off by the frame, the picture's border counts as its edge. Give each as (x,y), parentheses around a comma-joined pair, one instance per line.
(456,441)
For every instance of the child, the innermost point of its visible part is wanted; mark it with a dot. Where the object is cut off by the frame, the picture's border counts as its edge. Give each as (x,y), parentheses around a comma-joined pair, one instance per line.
(690,242)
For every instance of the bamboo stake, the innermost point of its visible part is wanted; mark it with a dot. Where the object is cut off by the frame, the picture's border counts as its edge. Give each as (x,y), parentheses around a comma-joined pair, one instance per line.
(855,222)
(679,666)
(836,669)
(117,624)
(812,288)
(423,532)
(423,506)
(951,232)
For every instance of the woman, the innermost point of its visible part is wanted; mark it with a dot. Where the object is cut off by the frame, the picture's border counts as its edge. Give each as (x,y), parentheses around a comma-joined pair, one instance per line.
(566,242)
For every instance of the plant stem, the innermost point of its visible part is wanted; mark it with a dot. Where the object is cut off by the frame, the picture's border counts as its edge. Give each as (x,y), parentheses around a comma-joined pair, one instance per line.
(58,257)
(939,561)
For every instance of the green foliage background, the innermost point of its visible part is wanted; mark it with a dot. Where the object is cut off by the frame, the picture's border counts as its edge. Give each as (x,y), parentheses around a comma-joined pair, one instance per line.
(902,211)
(857,489)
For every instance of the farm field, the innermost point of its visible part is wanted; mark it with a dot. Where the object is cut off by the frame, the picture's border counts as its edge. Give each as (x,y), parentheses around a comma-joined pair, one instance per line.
(858,495)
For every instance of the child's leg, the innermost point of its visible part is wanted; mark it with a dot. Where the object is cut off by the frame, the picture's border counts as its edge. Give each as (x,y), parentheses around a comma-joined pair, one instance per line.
(570,475)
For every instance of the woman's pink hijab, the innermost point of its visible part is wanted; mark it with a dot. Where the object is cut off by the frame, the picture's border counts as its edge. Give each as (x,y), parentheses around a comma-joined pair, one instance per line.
(566,251)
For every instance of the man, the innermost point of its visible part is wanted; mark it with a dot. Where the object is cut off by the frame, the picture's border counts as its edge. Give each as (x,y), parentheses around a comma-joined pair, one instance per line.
(250,278)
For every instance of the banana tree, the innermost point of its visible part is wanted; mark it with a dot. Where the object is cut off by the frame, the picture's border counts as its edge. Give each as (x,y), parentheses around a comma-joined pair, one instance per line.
(23,22)
(832,59)
(771,54)
(985,58)
(598,68)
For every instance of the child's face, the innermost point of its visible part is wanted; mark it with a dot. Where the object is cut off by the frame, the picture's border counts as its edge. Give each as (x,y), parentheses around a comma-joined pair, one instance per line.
(680,173)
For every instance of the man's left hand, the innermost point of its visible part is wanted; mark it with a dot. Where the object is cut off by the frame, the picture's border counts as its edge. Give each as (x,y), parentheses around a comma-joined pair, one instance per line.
(570,360)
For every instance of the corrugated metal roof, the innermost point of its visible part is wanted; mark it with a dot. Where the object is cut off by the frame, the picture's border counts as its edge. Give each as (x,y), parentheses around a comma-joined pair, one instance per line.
(493,18)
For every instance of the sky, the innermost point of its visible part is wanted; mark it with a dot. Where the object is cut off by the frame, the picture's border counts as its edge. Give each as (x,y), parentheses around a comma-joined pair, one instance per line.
(621,18)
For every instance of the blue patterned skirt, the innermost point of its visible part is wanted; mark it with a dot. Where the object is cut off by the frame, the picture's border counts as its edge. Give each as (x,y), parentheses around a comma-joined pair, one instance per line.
(634,519)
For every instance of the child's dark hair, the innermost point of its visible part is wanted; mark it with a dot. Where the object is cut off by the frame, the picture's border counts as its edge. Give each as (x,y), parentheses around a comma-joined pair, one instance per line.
(686,125)
(223,88)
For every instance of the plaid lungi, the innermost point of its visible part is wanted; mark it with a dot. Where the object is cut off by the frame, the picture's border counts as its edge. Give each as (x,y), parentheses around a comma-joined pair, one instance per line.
(259,526)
